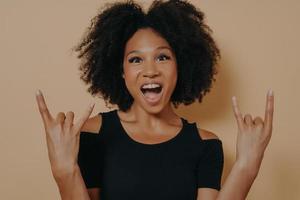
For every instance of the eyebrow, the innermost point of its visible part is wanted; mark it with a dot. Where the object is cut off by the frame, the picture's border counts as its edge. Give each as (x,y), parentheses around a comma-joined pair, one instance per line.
(161,47)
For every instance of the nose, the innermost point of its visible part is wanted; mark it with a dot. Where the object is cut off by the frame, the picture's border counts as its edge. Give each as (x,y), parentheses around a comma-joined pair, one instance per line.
(150,70)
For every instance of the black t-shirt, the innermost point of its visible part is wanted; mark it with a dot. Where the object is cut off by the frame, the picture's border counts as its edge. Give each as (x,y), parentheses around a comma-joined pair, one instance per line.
(126,169)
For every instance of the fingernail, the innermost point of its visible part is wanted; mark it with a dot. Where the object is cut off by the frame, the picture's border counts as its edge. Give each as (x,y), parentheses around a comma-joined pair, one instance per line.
(270,93)
(38,92)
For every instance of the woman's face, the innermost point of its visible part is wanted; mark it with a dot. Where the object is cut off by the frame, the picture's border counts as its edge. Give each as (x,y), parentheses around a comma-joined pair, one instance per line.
(150,70)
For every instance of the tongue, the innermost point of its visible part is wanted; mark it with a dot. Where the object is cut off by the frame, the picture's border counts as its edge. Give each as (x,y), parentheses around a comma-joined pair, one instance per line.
(151,95)
(152,98)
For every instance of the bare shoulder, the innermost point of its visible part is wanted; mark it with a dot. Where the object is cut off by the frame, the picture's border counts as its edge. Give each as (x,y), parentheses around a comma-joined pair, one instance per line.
(93,124)
(206,134)
(94,193)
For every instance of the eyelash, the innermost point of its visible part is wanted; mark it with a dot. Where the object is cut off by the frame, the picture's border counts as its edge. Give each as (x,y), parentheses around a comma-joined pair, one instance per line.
(161,55)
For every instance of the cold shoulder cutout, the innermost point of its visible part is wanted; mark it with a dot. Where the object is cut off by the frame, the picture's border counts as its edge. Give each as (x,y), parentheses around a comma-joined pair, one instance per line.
(207,135)
(90,151)
(93,124)
(125,169)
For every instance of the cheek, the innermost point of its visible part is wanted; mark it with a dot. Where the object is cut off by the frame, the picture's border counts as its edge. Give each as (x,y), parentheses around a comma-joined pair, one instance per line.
(130,77)
(130,73)
(172,74)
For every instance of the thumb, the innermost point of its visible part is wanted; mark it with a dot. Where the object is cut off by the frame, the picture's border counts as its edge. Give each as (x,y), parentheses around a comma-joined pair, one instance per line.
(83,118)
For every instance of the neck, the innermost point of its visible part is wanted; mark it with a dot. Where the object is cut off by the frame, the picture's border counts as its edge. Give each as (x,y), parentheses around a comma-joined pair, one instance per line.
(150,120)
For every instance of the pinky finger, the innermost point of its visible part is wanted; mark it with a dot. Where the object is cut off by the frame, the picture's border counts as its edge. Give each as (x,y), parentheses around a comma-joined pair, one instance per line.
(77,126)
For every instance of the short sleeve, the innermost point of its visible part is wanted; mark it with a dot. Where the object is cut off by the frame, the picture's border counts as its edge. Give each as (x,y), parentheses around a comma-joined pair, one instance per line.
(89,159)
(210,166)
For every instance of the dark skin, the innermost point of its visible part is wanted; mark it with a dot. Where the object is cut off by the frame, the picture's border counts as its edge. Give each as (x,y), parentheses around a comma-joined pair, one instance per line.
(143,123)
(154,61)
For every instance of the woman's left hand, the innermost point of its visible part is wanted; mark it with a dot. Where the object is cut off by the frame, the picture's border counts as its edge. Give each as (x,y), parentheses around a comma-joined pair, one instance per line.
(253,135)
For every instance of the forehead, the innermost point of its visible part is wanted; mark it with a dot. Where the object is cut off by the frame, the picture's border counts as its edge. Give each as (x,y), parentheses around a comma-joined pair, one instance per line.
(145,39)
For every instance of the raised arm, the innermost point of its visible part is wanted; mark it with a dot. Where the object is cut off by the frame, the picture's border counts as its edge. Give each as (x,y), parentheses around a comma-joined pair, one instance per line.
(62,138)
(252,140)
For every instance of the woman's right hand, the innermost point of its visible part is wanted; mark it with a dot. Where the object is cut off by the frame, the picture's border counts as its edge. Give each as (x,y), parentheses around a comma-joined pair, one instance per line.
(62,137)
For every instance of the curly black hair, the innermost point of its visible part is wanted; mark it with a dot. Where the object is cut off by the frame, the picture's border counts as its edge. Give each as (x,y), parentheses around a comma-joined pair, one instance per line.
(179,22)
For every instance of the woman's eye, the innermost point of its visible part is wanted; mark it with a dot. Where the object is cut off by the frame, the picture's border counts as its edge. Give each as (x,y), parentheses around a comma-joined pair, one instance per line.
(163,57)
(134,59)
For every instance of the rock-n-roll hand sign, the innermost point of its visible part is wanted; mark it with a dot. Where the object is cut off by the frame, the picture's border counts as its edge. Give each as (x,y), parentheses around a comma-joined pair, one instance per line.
(253,134)
(62,136)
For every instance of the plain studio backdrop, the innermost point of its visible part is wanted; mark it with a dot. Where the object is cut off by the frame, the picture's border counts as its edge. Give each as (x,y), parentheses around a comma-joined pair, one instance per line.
(259,43)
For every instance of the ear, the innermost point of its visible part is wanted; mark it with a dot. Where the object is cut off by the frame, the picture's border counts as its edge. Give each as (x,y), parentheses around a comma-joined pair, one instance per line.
(123,75)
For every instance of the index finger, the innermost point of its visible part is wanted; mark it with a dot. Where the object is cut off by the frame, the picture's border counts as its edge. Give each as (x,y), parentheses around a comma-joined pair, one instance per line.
(46,116)
(269,110)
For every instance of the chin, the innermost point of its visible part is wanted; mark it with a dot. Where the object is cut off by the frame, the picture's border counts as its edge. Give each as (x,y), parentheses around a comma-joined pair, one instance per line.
(154,110)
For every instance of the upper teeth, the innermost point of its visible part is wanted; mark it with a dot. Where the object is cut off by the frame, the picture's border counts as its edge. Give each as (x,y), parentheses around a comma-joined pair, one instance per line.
(151,85)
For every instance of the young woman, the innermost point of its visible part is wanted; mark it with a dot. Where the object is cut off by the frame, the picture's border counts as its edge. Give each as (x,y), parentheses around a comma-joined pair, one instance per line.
(144,63)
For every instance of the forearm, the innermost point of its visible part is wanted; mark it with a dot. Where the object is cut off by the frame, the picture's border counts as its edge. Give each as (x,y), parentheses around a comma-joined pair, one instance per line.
(71,186)
(252,140)
(238,182)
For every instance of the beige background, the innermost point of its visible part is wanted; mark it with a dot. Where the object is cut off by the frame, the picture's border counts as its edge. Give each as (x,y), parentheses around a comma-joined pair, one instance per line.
(260,44)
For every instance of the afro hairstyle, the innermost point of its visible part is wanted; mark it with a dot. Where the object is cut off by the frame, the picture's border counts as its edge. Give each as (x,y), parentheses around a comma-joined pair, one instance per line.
(180,23)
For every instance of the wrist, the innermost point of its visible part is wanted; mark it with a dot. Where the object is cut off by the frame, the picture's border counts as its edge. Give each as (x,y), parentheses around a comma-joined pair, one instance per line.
(71,184)
(61,174)
(249,169)
(250,163)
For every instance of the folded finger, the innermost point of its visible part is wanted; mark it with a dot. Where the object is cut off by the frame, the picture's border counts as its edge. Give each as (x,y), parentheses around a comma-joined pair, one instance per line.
(69,120)
(258,121)
(60,117)
(248,119)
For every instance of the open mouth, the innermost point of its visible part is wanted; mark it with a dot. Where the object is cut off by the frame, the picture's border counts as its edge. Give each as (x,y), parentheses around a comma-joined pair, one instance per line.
(152,92)
(152,88)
